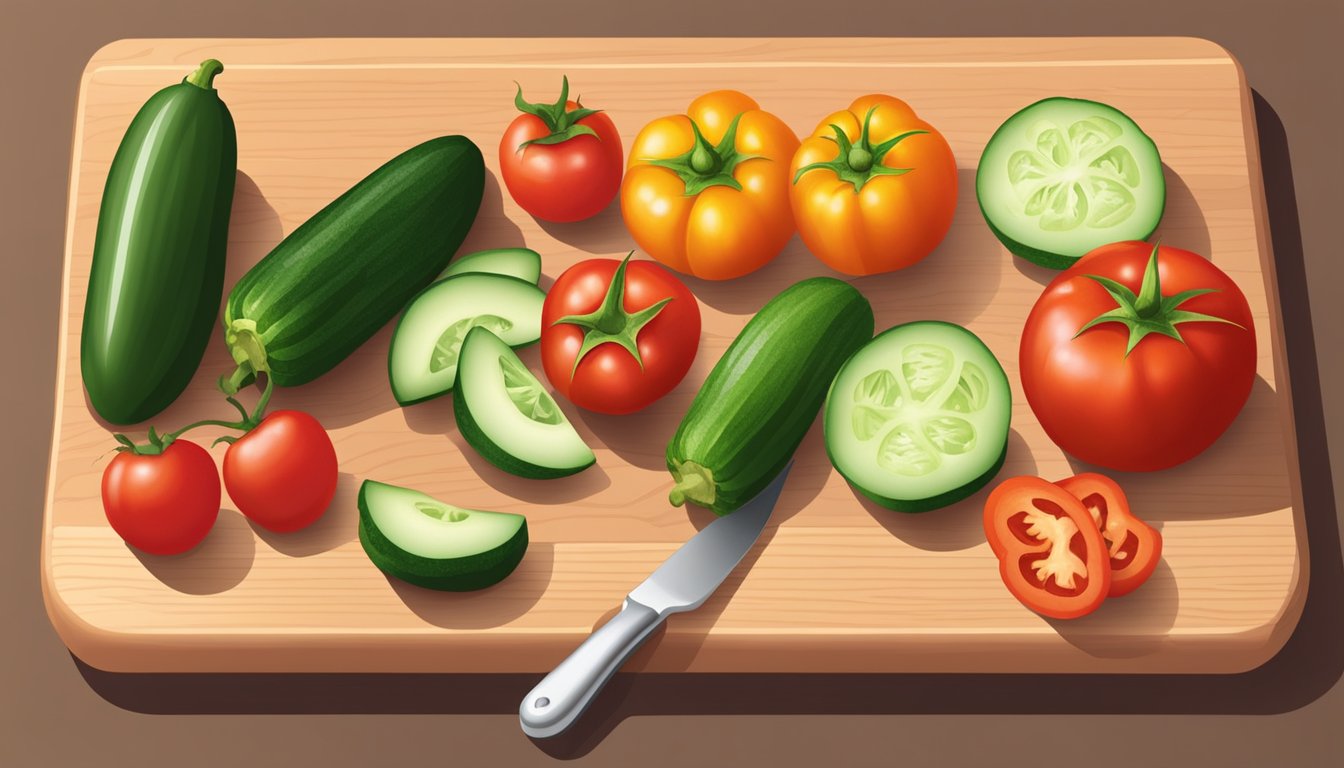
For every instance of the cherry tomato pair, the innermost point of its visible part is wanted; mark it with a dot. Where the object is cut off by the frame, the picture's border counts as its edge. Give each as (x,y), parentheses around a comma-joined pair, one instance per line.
(164,498)
(1065,547)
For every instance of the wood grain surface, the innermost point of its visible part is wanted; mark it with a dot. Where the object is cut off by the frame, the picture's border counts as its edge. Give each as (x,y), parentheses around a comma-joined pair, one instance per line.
(835,583)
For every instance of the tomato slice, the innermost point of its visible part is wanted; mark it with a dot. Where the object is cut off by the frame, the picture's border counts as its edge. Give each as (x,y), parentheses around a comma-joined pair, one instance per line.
(1051,555)
(1133,545)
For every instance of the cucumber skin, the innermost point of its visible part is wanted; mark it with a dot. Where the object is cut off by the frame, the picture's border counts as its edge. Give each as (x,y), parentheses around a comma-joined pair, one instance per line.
(351,267)
(136,364)
(764,393)
(462,574)
(476,438)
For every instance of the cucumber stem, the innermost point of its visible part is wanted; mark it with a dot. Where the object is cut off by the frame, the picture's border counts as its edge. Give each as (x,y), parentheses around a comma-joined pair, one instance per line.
(694,483)
(204,76)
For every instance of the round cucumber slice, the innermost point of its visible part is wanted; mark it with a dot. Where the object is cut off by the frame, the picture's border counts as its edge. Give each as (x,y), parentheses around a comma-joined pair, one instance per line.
(422,359)
(522,263)
(918,418)
(1064,176)
(508,417)
(426,542)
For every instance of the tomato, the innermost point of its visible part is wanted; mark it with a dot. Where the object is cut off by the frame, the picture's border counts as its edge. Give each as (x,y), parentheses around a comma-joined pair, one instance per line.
(163,503)
(1134,547)
(874,187)
(1051,555)
(1138,357)
(707,192)
(561,162)
(282,473)
(617,336)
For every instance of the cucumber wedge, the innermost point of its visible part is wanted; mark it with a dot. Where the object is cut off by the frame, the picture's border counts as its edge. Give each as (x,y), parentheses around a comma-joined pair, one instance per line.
(422,359)
(431,544)
(918,418)
(508,417)
(1064,176)
(522,263)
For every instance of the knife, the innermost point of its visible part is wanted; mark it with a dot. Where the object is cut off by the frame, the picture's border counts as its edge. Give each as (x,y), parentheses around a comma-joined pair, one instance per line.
(682,583)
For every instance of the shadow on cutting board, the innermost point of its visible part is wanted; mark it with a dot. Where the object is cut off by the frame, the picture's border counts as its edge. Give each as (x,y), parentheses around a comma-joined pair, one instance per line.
(1306,667)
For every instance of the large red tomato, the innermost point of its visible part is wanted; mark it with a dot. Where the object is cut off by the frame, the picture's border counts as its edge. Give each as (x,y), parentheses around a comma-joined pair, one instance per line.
(631,326)
(1138,357)
(562,161)
(162,503)
(282,473)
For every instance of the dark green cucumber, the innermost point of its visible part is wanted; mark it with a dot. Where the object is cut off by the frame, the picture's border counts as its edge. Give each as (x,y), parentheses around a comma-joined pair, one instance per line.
(348,270)
(764,393)
(158,256)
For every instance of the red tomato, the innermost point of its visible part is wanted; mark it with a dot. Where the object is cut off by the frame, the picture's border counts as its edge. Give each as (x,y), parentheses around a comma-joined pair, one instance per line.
(632,327)
(1138,357)
(1134,546)
(163,504)
(282,474)
(561,162)
(1051,555)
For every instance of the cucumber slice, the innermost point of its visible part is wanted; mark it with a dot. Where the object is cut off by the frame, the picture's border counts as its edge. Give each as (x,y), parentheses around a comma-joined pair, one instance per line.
(508,417)
(918,418)
(522,263)
(423,541)
(1064,176)
(422,359)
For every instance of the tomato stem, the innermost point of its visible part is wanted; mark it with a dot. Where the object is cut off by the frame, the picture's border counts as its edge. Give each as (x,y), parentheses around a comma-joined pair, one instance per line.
(705,165)
(562,122)
(858,163)
(610,322)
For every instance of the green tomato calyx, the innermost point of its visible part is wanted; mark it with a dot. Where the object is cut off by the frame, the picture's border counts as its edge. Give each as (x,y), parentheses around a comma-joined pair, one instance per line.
(1149,311)
(562,122)
(859,162)
(706,165)
(611,323)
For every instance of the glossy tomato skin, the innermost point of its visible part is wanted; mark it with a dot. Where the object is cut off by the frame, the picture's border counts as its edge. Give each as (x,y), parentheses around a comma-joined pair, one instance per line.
(282,474)
(609,379)
(163,504)
(719,233)
(1163,403)
(569,181)
(891,222)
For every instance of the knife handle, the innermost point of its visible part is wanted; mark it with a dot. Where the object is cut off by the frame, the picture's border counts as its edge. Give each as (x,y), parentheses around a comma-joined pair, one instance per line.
(566,692)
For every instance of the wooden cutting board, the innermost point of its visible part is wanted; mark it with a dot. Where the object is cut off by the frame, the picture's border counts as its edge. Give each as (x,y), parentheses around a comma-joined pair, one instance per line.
(835,583)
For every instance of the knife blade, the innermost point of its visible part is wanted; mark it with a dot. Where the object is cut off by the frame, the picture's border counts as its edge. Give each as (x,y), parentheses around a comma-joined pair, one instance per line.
(682,583)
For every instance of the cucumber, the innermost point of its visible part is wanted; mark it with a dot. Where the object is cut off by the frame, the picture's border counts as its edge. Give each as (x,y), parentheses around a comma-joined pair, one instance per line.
(522,263)
(918,418)
(422,358)
(425,542)
(508,417)
(158,255)
(764,393)
(1064,176)
(338,278)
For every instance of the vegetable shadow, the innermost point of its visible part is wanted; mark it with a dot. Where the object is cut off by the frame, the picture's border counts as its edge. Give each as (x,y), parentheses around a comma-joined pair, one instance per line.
(493,606)
(1302,671)
(957,526)
(1130,626)
(217,564)
(492,227)
(603,234)
(338,525)
(1247,483)
(556,490)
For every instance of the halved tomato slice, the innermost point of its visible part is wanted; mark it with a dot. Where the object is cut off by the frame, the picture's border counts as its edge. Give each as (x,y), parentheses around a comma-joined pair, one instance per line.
(1134,546)
(1051,554)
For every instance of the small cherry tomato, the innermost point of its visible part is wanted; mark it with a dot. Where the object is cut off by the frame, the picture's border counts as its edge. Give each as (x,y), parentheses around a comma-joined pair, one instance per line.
(561,162)
(282,474)
(617,336)
(1051,555)
(162,503)
(1134,546)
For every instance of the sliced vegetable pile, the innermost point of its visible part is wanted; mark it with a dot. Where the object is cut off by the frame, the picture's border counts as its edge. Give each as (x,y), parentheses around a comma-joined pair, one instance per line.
(1137,357)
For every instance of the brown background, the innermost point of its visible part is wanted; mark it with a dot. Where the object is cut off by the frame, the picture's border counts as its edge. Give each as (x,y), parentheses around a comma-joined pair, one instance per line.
(59,713)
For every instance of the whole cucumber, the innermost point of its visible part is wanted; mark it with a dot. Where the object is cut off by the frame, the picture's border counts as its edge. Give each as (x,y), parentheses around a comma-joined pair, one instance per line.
(764,393)
(348,270)
(158,256)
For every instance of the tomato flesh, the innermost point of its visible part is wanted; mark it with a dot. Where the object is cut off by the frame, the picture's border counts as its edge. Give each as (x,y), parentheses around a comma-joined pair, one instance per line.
(569,181)
(282,474)
(162,504)
(1134,547)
